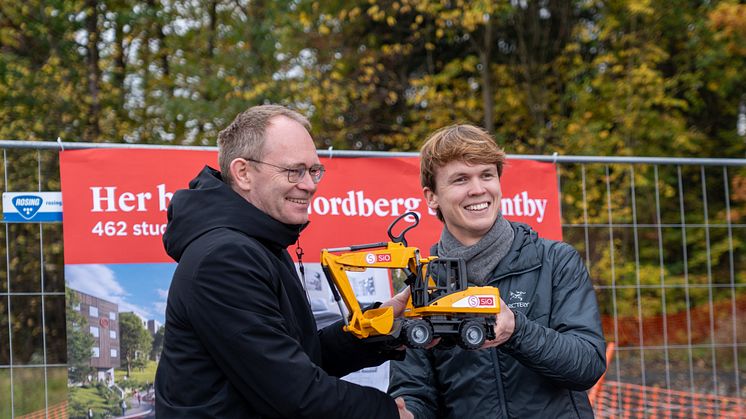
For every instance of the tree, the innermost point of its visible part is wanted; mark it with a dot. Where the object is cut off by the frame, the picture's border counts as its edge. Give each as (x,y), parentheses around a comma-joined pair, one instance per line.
(136,341)
(79,341)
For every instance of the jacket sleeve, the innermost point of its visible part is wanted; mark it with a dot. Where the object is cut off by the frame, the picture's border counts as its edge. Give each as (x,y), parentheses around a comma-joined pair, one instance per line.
(414,380)
(343,353)
(237,314)
(571,351)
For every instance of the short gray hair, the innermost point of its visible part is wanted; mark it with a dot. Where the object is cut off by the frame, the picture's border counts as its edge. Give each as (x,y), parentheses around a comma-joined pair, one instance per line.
(244,137)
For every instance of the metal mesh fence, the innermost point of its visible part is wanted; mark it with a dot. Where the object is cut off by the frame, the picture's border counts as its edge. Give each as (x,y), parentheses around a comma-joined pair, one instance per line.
(664,240)
(665,246)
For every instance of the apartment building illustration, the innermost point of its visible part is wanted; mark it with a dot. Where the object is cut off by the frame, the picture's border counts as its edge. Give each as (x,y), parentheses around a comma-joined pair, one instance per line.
(103,324)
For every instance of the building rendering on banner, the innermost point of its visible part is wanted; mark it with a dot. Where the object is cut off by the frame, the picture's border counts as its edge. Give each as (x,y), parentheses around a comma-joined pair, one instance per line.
(153,326)
(103,323)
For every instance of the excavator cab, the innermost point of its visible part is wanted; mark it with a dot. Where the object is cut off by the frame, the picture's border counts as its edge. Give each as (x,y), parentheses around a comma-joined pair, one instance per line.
(441,277)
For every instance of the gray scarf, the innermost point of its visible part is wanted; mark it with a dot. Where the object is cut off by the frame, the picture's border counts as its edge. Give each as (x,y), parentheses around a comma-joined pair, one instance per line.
(482,257)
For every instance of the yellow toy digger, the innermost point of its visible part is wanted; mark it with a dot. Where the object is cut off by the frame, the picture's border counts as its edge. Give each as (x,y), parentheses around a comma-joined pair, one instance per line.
(441,303)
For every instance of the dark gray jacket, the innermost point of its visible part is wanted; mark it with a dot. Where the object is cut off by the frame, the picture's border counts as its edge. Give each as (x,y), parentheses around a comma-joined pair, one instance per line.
(556,353)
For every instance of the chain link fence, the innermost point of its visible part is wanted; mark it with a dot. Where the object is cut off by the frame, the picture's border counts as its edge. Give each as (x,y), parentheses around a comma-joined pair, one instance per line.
(664,239)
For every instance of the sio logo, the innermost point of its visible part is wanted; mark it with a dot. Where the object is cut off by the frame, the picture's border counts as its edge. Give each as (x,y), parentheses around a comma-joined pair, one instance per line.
(27,205)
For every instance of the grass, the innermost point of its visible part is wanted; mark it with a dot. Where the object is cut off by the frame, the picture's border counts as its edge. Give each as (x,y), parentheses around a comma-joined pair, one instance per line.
(137,378)
(101,400)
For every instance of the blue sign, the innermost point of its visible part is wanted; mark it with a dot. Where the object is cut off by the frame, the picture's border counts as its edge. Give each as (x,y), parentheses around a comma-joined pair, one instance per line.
(32,207)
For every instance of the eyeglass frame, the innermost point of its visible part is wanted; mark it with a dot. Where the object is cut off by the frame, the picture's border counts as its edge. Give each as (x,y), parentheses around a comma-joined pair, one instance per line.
(300,171)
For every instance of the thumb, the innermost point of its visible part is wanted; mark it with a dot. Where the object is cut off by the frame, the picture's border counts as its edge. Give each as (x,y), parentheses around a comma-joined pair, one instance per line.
(403,295)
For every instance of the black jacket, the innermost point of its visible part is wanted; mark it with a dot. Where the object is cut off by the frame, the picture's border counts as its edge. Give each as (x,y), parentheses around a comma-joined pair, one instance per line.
(556,352)
(241,341)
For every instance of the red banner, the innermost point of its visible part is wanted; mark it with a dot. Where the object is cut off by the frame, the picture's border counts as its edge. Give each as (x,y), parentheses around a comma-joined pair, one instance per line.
(115,201)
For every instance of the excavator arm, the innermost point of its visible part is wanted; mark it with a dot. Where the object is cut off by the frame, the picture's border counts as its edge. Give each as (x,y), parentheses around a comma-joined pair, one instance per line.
(372,322)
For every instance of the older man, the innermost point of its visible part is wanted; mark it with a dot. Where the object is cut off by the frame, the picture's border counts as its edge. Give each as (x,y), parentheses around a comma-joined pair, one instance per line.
(241,341)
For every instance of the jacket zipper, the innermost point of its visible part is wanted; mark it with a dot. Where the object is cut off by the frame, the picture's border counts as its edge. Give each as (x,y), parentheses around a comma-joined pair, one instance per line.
(496,357)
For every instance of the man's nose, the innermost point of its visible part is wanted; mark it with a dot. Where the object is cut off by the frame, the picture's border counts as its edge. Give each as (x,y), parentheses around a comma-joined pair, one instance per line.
(306,182)
(476,187)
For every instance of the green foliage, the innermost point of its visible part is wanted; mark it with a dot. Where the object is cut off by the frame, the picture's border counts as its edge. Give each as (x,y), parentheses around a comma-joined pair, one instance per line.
(135,341)
(608,78)
(139,378)
(612,78)
(103,401)
(79,341)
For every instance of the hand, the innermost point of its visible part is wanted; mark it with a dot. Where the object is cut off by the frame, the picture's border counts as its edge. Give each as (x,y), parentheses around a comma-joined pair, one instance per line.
(504,327)
(399,302)
(403,412)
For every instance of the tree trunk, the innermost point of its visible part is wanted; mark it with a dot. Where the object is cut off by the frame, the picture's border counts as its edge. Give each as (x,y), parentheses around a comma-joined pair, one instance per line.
(488,99)
(94,72)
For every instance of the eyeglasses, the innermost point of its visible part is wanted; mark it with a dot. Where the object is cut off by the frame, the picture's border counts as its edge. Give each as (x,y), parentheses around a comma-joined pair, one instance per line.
(295,175)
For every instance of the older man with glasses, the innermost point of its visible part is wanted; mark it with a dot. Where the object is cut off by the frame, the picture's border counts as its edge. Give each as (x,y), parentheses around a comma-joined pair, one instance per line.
(241,341)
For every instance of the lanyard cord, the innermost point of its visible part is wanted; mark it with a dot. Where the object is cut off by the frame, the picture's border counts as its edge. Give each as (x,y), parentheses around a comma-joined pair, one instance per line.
(299,253)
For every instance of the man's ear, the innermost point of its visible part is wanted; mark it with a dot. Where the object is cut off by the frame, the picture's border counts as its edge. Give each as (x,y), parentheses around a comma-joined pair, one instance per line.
(241,174)
(431,199)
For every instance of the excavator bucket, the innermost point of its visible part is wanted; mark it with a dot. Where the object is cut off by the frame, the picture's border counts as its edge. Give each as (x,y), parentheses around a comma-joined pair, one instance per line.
(381,319)
(373,322)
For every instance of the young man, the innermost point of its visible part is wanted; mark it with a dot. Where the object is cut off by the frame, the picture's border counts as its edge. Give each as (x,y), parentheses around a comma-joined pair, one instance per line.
(241,341)
(549,345)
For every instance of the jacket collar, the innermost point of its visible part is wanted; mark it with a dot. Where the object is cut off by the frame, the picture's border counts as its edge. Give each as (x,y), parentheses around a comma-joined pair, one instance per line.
(523,255)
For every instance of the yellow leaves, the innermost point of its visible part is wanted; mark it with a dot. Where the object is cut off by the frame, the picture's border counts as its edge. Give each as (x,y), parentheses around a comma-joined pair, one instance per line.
(390,20)
(439,33)
(324,30)
(473,18)
(730,22)
(396,49)
(731,18)
(376,13)
(469,64)
(304,20)
(257,91)
(391,98)
(640,7)
(645,75)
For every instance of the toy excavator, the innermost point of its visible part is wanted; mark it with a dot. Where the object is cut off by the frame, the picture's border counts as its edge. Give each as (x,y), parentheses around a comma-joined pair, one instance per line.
(441,303)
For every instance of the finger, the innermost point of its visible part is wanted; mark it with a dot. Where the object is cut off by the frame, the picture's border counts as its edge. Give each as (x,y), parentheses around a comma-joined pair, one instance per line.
(433,343)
